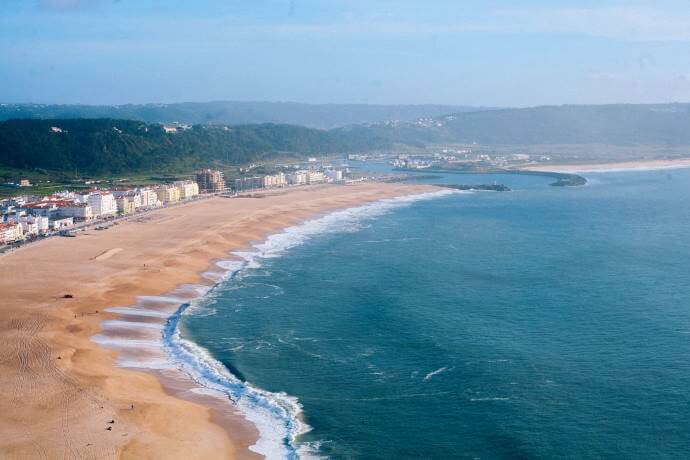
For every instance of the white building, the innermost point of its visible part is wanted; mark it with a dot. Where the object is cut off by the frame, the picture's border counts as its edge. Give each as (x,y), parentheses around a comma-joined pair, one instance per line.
(275,180)
(168,193)
(11,232)
(188,189)
(125,204)
(29,228)
(79,212)
(132,196)
(315,177)
(40,208)
(297,178)
(33,225)
(334,174)
(60,224)
(102,204)
(148,198)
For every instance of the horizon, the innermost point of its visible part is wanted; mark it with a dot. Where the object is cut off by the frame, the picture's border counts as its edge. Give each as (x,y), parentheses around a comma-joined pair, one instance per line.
(400,104)
(118,52)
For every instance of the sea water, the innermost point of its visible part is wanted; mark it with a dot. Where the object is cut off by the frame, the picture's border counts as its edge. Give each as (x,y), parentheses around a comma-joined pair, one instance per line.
(538,323)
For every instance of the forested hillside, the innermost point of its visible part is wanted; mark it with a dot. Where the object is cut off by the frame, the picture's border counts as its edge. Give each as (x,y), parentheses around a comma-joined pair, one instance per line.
(115,146)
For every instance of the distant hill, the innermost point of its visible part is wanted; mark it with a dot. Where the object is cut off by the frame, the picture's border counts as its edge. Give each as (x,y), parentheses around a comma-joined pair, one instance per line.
(324,116)
(621,124)
(103,146)
(115,145)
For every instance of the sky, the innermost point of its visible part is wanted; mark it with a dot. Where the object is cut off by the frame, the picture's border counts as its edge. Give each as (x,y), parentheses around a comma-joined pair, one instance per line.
(462,52)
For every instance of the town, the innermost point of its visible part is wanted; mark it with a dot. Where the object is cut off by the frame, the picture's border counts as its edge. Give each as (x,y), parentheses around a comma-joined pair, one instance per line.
(25,218)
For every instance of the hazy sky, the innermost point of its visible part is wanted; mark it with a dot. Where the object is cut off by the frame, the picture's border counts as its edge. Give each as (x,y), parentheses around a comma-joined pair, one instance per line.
(491,52)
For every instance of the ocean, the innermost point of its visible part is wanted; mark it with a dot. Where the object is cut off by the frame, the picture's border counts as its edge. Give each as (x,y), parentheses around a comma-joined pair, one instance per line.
(539,323)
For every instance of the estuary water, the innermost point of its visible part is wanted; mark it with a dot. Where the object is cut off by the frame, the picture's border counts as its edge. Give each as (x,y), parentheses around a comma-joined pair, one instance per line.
(539,323)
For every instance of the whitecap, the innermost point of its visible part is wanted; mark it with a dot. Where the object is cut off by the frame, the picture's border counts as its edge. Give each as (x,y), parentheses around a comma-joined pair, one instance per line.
(276,415)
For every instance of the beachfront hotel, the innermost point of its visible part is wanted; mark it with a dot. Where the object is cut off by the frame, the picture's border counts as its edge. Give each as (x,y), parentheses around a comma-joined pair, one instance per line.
(188,189)
(102,203)
(210,181)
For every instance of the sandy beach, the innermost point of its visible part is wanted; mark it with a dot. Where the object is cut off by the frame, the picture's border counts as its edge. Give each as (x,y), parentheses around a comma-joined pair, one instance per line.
(63,395)
(593,167)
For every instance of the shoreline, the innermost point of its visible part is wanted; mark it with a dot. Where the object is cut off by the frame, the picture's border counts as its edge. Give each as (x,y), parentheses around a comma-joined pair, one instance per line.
(284,411)
(48,337)
(641,165)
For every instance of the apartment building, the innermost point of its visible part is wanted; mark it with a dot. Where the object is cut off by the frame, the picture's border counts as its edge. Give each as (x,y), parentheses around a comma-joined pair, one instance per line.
(168,193)
(315,177)
(59,224)
(297,178)
(11,232)
(210,181)
(79,212)
(149,198)
(188,189)
(102,203)
(125,204)
(249,183)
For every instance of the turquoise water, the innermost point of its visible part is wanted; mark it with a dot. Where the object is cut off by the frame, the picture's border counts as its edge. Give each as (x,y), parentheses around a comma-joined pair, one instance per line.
(545,322)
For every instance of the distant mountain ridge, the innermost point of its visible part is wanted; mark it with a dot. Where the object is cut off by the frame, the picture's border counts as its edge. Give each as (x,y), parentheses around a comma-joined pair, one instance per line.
(615,124)
(620,124)
(102,146)
(322,116)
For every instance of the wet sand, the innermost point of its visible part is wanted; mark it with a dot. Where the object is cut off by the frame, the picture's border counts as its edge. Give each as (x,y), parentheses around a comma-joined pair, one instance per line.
(61,390)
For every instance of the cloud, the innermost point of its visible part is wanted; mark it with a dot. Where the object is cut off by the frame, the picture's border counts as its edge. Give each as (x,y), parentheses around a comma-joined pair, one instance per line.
(66,5)
(619,23)
(629,23)
(622,23)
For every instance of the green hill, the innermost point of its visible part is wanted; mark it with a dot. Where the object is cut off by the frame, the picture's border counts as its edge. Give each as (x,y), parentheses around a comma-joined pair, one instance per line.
(622,124)
(101,146)
(323,116)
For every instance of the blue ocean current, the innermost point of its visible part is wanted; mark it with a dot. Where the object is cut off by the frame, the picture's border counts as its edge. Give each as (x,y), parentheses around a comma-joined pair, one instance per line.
(545,322)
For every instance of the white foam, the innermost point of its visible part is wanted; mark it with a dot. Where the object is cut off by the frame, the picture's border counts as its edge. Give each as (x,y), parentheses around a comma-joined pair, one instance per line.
(138,363)
(114,342)
(158,299)
(436,372)
(116,323)
(277,416)
(136,311)
(338,221)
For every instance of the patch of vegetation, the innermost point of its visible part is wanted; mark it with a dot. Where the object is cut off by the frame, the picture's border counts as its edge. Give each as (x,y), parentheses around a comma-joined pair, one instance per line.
(89,147)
